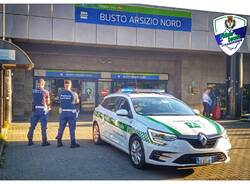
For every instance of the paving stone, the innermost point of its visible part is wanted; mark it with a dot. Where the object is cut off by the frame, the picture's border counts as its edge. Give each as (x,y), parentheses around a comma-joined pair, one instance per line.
(106,162)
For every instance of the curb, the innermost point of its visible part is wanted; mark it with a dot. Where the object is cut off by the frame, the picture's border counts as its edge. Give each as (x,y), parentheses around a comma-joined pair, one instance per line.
(245,120)
(228,121)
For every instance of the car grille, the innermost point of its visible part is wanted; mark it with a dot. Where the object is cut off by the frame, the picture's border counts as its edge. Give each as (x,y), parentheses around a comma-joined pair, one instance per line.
(195,142)
(191,158)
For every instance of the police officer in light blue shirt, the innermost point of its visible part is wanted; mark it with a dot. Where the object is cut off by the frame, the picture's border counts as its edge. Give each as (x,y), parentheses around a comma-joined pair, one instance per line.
(40,109)
(68,113)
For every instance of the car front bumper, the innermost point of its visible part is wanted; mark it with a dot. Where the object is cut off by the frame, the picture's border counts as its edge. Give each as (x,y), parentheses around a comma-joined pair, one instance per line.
(181,153)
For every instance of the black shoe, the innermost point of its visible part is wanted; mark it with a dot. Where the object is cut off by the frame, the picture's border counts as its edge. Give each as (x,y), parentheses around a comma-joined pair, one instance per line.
(30,143)
(59,143)
(74,144)
(45,143)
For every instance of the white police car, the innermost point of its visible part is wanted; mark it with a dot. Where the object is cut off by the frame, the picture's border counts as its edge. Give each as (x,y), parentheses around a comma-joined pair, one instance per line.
(159,129)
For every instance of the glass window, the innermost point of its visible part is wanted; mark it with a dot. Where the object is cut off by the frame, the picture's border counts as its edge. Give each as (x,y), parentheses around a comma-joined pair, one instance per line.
(104,88)
(88,94)
(157,85)
(110,103)
(139,84)
(160,106)
(219,94)
(105,103)
(123,104)
(118,85)
(246,99)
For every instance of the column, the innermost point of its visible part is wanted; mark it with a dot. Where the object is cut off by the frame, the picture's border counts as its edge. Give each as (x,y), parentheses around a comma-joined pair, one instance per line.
(234,85)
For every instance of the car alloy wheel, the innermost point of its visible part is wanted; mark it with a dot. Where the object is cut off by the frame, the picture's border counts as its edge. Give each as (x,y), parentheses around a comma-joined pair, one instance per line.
(137,156)
(96,134)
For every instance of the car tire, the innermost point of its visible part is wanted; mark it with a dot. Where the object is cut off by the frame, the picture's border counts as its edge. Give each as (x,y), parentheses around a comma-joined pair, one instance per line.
(96,134)
(136,153)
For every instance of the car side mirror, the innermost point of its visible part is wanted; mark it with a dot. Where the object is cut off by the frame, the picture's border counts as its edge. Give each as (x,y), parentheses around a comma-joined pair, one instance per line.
(197,112)
(122,112)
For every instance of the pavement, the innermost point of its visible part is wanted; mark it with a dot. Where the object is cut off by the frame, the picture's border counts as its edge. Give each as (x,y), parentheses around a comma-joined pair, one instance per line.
(104,162)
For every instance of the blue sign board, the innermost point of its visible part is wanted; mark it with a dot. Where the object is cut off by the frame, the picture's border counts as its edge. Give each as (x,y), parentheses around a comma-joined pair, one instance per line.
(72,74)
(96,75)
(135,76)
(141,19)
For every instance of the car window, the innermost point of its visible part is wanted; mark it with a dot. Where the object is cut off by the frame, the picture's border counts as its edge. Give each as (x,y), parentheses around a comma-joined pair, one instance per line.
(104,102)
(110,103)
(124,104)
(160,106)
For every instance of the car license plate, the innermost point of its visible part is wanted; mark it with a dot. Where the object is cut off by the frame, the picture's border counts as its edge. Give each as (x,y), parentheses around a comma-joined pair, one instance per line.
(205,160)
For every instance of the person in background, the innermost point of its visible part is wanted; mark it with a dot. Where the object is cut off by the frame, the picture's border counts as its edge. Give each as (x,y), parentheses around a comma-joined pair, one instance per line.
(40,109)
(213,98)
(68,113)
(207,102)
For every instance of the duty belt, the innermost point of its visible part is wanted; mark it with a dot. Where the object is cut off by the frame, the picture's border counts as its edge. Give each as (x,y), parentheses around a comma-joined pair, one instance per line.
(39,107)
(69,110)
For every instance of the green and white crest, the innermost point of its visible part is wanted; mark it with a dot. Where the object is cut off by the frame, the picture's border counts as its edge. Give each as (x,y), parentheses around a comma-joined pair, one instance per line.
(230,32)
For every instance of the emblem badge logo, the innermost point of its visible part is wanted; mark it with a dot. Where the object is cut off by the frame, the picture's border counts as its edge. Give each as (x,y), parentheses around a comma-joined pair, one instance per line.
(230,31)
(202,138)
(84,15)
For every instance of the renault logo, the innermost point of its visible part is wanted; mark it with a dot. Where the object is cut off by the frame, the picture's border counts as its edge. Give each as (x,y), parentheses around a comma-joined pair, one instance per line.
(202,138)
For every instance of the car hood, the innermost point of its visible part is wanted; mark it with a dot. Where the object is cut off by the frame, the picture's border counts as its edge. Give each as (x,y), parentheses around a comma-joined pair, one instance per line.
(184,125)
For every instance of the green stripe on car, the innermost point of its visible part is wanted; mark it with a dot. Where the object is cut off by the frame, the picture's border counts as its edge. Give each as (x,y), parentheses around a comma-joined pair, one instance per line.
(173,131)
(216,126)
(126,128)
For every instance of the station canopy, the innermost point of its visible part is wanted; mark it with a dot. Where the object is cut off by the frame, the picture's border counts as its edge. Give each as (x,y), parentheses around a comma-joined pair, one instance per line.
(13,57)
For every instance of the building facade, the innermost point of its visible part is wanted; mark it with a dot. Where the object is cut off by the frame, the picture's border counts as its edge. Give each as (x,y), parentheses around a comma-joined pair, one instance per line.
(104,58)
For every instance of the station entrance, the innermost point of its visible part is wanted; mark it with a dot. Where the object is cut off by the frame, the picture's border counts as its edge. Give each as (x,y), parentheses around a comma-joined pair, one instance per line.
(220,92)
(92,87)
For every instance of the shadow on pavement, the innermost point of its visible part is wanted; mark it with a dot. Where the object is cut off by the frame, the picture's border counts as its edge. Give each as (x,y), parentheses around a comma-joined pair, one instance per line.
(81,118)
(89,162)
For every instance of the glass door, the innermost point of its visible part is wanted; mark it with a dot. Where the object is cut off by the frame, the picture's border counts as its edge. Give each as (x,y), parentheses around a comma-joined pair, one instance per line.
(123,85)
(246,99)
(104,88)
(88,96)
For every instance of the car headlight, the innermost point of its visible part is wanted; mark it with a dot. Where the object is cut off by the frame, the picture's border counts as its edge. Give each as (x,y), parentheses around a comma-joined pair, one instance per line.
(224,134)
(160,137)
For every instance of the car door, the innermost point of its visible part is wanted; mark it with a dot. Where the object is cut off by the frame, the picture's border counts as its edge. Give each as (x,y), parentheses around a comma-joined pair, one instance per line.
(109,118)
(122,123)
(102,112)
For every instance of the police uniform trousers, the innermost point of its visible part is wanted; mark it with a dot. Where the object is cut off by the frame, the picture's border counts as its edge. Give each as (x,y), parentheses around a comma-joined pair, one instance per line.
(67,118)
(38,115)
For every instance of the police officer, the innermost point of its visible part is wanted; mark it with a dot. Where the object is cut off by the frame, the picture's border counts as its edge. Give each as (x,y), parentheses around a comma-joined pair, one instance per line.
(68,113)
(40,109)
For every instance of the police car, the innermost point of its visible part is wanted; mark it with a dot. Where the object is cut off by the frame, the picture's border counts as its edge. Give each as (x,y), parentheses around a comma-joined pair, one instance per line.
(159,129)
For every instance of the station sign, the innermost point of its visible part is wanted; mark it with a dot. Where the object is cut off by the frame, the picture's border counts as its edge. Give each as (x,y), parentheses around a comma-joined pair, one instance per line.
(133,16)
(97,75)
(137,76)
(67,74)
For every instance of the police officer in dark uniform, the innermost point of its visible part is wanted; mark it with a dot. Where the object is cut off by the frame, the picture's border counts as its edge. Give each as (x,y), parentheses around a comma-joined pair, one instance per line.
(40,109)
(68,113)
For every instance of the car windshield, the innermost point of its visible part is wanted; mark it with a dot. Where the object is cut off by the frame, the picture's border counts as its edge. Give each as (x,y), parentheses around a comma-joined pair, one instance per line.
(156,106)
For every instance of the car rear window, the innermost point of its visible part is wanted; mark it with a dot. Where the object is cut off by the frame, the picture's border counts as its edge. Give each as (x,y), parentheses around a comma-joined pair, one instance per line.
(110,103)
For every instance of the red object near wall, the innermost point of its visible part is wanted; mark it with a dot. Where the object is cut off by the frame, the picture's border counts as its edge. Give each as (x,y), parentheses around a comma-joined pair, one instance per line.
(104,92)
(216,112)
